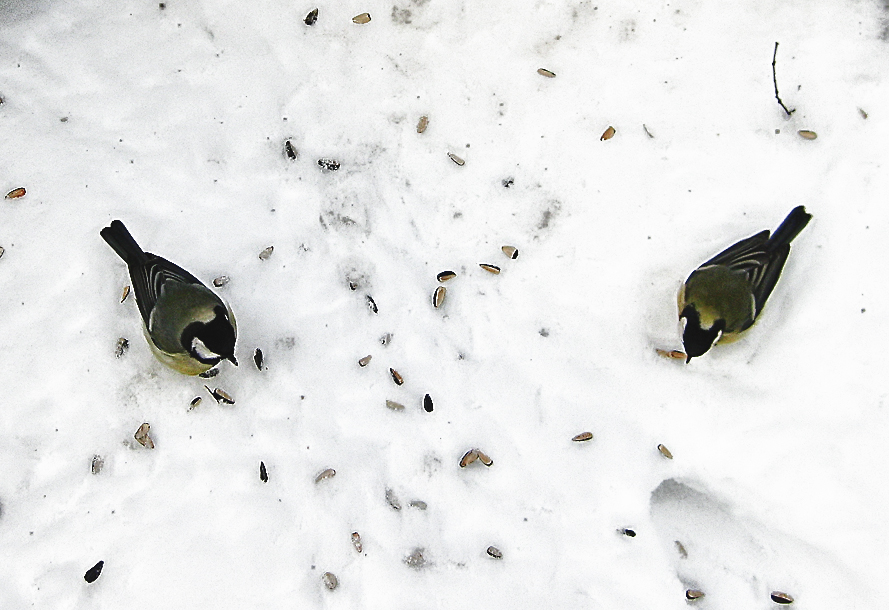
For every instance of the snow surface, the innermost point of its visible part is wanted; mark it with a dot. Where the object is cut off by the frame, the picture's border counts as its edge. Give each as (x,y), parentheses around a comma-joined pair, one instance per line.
(174,120)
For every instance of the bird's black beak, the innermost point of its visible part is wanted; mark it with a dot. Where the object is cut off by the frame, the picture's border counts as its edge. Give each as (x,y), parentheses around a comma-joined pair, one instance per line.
(687,359)
(233,360)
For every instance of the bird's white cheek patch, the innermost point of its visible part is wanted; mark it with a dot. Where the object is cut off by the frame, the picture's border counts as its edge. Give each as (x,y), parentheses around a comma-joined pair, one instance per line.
(202,350)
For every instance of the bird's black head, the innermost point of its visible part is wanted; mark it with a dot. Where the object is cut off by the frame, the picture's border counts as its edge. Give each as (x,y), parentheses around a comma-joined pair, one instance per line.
(698,340)
(213,341)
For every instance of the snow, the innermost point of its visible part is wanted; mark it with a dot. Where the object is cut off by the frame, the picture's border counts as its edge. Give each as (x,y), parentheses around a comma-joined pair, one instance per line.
(174,120)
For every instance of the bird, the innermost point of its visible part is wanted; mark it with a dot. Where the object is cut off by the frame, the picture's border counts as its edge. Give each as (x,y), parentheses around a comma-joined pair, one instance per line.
(724,296)
(188,327)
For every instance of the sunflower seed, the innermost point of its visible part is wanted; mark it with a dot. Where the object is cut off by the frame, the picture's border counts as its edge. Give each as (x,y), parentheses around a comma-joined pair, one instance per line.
(329,580)
(267,253)
(417,504)
(490,268)
(16,193)
(438,296)
(395,406)
(263,473)
(680,548)
(97,463)
(665,452)
(386,339)
(328,165)
(444,276)
(674,354)
(195,402)
(628,532)
(143,437)
(809,135)
(422,124)
(221,396)
(693,594)
(860,111)
(122,346)
(583,436)
(363,362)
(221,281)
(484,459)
(356,541)
(209,374)
(546,73)
(257,358)
(781,598)
(123,296)
(325,474)
(392,499)
(361,19)
(510,251)
(415,559)
(312,17)
(456,159)
(289,151)
(396,377)
(494,552)
(608,134)
(93,573)
(648,133)
(468,458)
(371,304)
(427,403)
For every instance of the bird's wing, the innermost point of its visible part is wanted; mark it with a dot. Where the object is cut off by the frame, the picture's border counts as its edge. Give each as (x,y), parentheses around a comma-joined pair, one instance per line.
(149,278)
(739,250)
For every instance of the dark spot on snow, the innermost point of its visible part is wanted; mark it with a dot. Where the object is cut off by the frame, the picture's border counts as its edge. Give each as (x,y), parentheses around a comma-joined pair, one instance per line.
(93,573)
(507,182)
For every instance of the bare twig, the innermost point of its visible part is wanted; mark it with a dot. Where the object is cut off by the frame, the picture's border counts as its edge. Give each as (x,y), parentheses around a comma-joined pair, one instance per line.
(775,80)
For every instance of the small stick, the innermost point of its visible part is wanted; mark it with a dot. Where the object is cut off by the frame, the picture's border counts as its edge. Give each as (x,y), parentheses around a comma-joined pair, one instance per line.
(775,80)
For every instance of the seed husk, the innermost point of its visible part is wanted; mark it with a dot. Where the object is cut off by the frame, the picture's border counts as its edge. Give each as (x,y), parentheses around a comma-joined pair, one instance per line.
(221,396)
(608,134)
(510,252)
(395,406)
(289,151)
(427,403)
(325,474)
(124,295)
(468,458)
(546,73)
(807,134)
(195,402)
(674,354)
(209,374)
(693,594)
(665,452)
(356,541)
(779,597)
(490,268)
(328,165)
(456,159)
(2,251)
(122,347)
(438,296)
(422,124)
(143,437)
(648,133)
(415,559)
(484,459)
(263,473)
(312,17)
(628,532)
(863,113)
(419,504)
(494,552)
(96,464)
(386,339)
(93,573)
(361,19)
(266,253)
(221,281)
(363,362)
(583,436)
(16,193)
(680,548)
(396,377)
(329,580)
(258,358)
(371,304)
(444,276)
(392,499)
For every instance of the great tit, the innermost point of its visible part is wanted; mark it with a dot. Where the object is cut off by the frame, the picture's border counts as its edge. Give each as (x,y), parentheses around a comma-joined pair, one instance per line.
(723,297)
(188,327)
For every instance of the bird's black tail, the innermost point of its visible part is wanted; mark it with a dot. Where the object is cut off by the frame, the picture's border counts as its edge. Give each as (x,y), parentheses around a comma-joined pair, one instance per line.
(117,236)
(795,222)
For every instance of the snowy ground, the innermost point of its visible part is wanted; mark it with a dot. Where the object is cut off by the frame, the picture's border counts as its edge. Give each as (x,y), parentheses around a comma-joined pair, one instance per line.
(174,120)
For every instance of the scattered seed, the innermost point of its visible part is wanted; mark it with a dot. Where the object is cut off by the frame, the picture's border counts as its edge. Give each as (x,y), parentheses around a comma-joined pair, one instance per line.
(289,151)
(312,17)
(263,473)
(122,346)
(484,459)
(427,403)
(693,594)
(125,294)
(507,182)
(356,541)
(143,437)
(221,396)
(438,296)
(97,463)
(583,436)
(2,251)
(456,159)
(648,133)
(267,253)
(395,406)
(665,452)
(490,268)
(809,135)
(386,339)
(415,559)
(328,165)
(16,193)
(221,281)
(93,573)
(494,552)
(675,354)
(628,532)
(329,580)
(510,252)
(444,276)
(257,358)
(546,73)
(363,362)
(396,377)
(608,134)
(325,474)
(209,374)
(195,402)
(781,598)
(371,304)
(860,111)
(680,548)
(422,124)
(392,499)
(417,504)
(468,458)
(361,19)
